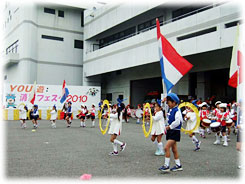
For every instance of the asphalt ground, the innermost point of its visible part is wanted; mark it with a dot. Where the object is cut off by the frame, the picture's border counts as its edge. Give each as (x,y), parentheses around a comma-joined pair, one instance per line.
(70,152)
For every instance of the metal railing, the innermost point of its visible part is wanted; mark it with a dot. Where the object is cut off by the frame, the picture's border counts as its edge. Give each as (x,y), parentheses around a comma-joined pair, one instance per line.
(161,23)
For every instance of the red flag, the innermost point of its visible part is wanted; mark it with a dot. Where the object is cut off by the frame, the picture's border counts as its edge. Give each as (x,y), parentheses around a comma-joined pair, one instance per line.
(33,94)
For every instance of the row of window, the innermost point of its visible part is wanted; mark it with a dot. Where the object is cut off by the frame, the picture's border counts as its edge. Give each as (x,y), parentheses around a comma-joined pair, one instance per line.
(52,11)
(150,24)
(77,43)
(62,14)
(206,31)
(129,32)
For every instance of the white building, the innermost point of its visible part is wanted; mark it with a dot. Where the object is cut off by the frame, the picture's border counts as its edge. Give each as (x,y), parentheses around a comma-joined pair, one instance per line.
(121,48)
(43,42)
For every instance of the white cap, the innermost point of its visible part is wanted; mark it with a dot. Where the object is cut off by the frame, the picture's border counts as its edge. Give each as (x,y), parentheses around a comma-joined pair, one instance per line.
(224,105)
(202,104)
(83,105)
(218,102)
(93,104)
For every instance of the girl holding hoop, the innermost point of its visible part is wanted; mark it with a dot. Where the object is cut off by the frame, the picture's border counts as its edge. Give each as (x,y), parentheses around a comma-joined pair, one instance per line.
(116,129)
(23,116)
(158,129)
(191,119)
(53,116)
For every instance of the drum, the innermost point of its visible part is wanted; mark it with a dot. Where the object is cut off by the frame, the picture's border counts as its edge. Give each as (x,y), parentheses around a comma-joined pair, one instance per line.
(206,123)
(229,122)
(215,127)
(138,113)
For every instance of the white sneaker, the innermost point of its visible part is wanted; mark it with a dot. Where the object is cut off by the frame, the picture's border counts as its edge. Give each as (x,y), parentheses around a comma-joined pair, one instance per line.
(225,144)
(216,142)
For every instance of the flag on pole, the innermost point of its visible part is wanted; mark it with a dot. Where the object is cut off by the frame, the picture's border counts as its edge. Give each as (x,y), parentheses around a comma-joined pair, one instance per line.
(173,66)
(33,94)
(65,92)
(235,77)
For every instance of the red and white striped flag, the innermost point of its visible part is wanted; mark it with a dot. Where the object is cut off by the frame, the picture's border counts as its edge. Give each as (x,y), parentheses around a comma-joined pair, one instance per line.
(33,94)
(235,77)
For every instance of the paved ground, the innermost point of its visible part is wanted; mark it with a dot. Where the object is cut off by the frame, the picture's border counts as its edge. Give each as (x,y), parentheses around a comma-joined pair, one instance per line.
(70,152)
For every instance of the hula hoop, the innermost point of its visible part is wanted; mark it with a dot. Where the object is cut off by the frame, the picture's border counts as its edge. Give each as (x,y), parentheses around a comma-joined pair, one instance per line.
(18,107)
(193,107)
(103,131)
(147,105)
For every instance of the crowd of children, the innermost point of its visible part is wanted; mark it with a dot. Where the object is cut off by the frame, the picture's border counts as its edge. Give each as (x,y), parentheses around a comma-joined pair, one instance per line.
(219,119)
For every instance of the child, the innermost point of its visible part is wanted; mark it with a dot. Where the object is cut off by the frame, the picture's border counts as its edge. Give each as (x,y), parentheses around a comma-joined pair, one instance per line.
(23,116)
(64,109)
(82,116)
(68,115)
(116,129)
(203,113)
(158,129)
(175,120)
(53,116)
(140,113)
(191,119)
(222,117)
(92,113)
(128,113)
(147,115)
(35,116)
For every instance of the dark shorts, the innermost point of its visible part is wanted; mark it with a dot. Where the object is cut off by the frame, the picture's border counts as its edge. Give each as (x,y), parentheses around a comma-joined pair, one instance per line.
(68,114)
(92,117)
(173,135)
(35,117)
(239,136)
(223,128)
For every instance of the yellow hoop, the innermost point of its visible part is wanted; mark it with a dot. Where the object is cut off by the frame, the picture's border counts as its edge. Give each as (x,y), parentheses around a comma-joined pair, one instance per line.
(147,105)
(193,107)
(20,105)
(103,131)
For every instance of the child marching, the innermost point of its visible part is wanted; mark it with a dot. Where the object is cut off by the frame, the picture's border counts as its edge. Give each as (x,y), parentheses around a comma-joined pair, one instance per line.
(175,120)
(53,116)
(82,116)
(92,114)
(158,129)
(191,119)
(35,116)
(222,116)
(69,114)
(116,129)
(204,114)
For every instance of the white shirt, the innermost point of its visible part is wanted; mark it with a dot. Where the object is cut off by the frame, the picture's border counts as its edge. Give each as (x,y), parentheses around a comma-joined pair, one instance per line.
(53,115)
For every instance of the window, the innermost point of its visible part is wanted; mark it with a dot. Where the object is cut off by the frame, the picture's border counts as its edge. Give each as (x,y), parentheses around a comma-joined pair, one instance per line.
(232,24)
(5,77)
(82,17)
(52,38)
(49,10)
(199,33)
(61,13)
(78,44)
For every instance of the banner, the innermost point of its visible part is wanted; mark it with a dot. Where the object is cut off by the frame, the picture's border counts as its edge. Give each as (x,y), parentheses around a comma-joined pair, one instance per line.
(49,95)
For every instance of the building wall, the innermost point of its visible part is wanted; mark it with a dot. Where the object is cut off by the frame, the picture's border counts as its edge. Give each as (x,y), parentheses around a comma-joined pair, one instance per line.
(46,61)
(143,48)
